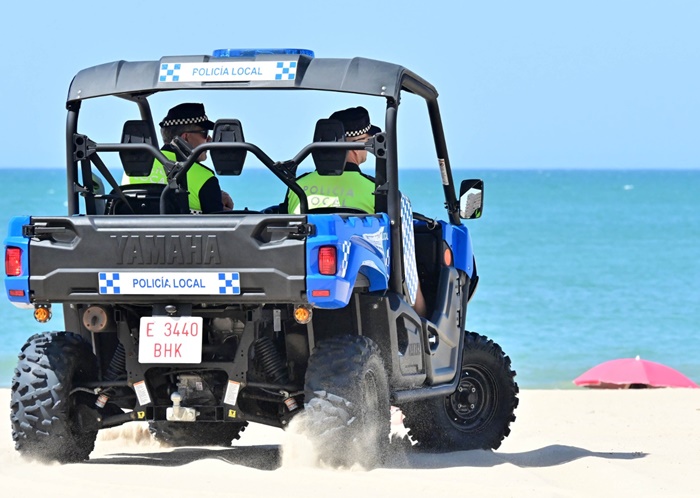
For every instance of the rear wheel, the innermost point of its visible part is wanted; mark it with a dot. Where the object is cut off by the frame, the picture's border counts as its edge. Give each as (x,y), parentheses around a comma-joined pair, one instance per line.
(478,414)
(196,433)
(346,395)
(45,412)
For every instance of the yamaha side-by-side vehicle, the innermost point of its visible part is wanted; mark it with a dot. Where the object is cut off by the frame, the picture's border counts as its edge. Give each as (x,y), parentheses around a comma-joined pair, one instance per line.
(201,323)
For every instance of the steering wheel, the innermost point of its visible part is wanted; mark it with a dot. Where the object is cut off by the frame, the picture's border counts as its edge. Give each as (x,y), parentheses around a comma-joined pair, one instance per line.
(274,209)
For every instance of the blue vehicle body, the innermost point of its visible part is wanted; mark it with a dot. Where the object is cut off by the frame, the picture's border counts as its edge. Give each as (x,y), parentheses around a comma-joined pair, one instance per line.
(200,324)
(362,244)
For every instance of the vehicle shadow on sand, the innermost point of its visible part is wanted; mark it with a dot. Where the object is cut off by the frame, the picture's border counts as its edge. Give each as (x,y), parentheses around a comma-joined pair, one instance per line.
(263,457)
(401,456)
(547,456)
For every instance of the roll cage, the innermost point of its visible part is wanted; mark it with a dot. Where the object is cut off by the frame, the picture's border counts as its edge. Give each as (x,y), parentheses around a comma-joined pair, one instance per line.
(136,81)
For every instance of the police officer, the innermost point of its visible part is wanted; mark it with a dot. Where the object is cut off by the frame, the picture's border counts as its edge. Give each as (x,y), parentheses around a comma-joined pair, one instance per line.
(352,189)
(190,122)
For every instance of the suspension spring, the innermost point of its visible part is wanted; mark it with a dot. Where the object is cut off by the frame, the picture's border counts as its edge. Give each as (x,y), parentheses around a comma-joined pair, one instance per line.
(271,360)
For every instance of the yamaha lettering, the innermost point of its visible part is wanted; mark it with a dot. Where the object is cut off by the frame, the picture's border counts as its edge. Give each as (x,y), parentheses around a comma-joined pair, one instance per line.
(167,250)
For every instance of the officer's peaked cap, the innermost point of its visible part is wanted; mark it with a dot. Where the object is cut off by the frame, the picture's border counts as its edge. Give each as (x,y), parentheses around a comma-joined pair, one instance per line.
(187,114)
(356,122)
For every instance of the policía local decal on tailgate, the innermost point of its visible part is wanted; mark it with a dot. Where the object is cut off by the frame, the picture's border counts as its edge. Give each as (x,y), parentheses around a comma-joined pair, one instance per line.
(202,283)
(179,72)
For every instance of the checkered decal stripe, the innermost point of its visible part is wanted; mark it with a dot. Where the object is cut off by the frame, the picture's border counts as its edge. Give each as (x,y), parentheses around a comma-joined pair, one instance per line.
(109,283)
(230,283)
(345,259)
(409,249)
(169,73)
(286,70)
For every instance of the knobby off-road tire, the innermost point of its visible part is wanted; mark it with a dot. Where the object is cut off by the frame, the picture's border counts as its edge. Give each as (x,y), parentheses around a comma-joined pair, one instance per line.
(347,409)
(196,433)
(478,414)
(43,411)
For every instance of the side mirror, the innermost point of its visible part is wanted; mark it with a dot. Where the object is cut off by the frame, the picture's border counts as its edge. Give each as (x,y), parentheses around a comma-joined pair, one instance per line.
(471,199)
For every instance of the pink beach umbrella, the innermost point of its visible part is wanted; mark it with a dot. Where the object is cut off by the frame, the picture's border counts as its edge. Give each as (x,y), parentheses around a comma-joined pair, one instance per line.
(626,372)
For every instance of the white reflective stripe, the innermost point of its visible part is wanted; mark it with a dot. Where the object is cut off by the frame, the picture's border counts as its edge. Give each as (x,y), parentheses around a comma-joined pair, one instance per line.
(409,250)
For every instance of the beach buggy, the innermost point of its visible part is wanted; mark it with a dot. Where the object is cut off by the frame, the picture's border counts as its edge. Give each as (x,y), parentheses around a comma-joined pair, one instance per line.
(202,323)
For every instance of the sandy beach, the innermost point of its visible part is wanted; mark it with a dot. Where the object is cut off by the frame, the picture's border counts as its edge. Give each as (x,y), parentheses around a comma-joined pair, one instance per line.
(578,443)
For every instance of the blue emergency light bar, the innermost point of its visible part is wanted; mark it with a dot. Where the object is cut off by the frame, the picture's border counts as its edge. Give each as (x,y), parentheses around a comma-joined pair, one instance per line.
(252,52)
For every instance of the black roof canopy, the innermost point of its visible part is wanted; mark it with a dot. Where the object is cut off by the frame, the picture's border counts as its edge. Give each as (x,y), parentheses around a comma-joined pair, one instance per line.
(356,75)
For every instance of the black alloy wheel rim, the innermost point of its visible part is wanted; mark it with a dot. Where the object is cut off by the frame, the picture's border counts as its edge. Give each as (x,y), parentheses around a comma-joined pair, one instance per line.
(473,403)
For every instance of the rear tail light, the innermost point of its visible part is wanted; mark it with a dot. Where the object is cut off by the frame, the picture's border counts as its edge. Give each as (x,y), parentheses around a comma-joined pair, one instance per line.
(327,260)
(13,261)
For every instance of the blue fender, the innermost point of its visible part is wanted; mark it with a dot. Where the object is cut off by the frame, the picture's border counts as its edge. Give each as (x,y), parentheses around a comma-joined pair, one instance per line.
(362,247)
(458,238)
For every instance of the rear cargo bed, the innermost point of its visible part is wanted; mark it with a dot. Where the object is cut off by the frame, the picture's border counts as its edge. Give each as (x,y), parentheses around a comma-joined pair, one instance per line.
(86,258)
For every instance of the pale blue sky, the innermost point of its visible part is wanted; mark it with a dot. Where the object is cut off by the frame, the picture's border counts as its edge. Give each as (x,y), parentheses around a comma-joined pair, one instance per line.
(536,84)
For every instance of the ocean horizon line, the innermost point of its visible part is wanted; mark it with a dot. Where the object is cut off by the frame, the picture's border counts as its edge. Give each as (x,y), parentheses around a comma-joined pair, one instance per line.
(429,168)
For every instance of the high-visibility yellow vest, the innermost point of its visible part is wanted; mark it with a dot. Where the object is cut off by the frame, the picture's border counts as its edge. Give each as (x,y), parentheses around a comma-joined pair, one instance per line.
(351,189)
(197,176)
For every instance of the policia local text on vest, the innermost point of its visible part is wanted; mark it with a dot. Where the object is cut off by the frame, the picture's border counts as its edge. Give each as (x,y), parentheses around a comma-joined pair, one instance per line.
(352,189)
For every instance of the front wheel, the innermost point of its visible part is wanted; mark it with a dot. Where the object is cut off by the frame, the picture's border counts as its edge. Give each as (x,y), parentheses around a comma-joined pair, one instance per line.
(45,411)
(478,414)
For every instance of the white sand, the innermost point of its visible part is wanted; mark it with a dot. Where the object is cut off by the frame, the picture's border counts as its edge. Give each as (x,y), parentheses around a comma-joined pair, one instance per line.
(573,443)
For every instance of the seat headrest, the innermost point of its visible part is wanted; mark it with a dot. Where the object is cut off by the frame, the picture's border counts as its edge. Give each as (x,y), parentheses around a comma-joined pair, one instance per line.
(329,161)
(136,162)
(228,161)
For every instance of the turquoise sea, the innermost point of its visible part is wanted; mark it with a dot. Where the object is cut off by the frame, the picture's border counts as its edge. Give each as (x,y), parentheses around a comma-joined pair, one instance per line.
(576,267)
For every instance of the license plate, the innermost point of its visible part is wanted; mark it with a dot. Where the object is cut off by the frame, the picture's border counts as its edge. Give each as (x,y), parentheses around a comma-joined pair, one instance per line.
(167,339)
